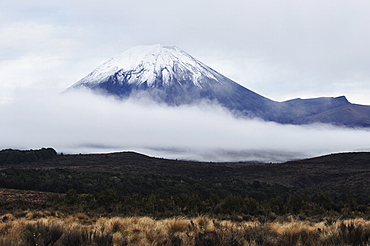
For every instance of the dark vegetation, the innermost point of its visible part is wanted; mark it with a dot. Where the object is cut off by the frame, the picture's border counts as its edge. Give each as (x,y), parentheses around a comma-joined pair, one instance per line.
(336,173)
(133,184)
(14,157)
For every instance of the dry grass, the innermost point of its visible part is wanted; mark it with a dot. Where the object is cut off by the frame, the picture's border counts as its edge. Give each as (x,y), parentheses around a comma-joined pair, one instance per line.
(11,195)
(43,228)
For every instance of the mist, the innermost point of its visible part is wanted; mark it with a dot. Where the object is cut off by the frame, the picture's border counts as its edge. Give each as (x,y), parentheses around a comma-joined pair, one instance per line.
(82,122)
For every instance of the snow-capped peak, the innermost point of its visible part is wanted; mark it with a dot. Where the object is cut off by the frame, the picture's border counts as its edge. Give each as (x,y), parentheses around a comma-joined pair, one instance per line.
(147,63)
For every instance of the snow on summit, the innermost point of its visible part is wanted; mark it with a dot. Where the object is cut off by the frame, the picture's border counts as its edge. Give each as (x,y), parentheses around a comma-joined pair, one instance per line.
(166,74)
(147,63)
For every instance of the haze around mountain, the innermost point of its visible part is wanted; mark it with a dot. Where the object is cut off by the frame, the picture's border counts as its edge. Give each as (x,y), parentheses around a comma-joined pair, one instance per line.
(81,122)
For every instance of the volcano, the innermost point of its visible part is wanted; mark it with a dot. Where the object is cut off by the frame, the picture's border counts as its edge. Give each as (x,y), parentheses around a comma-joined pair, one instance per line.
(167,74)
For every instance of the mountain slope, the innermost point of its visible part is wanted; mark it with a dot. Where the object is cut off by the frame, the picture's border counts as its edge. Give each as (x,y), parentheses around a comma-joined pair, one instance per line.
(353,115)
(166,74)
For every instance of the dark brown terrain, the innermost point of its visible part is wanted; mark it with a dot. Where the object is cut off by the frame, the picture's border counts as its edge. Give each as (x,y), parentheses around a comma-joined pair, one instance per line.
(348,172)
(11,195)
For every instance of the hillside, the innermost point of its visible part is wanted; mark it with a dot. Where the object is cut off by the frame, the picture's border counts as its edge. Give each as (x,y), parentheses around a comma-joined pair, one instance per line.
(338,173)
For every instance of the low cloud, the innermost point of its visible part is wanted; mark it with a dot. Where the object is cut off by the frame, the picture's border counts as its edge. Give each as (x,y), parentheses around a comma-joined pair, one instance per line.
(81,122)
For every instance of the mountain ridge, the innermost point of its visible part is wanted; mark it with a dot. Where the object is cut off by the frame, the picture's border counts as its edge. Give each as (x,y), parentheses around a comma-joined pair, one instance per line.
(168,74)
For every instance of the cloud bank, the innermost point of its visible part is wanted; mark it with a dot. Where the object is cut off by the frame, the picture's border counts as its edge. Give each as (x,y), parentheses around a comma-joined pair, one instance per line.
(81,122)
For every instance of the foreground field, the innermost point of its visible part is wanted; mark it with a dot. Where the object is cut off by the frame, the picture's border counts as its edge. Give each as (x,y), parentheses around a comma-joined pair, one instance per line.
(44,228)
(131,199)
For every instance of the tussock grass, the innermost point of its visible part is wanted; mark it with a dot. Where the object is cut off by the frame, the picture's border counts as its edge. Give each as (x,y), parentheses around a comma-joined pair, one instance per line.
(43,228)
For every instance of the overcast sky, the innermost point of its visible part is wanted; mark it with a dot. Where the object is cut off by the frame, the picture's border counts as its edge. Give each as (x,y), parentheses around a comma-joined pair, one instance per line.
(280,49)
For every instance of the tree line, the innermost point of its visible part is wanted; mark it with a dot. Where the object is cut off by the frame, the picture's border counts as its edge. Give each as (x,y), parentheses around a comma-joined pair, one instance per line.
(11,156)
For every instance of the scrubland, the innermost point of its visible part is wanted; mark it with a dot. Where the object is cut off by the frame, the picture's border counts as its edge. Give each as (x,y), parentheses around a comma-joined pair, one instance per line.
(131,199)
(45,228)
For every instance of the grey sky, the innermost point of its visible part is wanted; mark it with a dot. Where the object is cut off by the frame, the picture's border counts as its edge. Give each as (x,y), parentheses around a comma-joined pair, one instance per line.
(280,49)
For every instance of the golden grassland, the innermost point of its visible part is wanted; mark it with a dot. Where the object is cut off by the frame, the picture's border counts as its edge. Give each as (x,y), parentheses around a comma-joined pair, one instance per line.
(45,228)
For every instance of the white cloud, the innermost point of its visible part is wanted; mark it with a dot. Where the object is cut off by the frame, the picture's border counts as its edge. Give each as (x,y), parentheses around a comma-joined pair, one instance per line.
(79,122)
(21,33)
(29,71)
